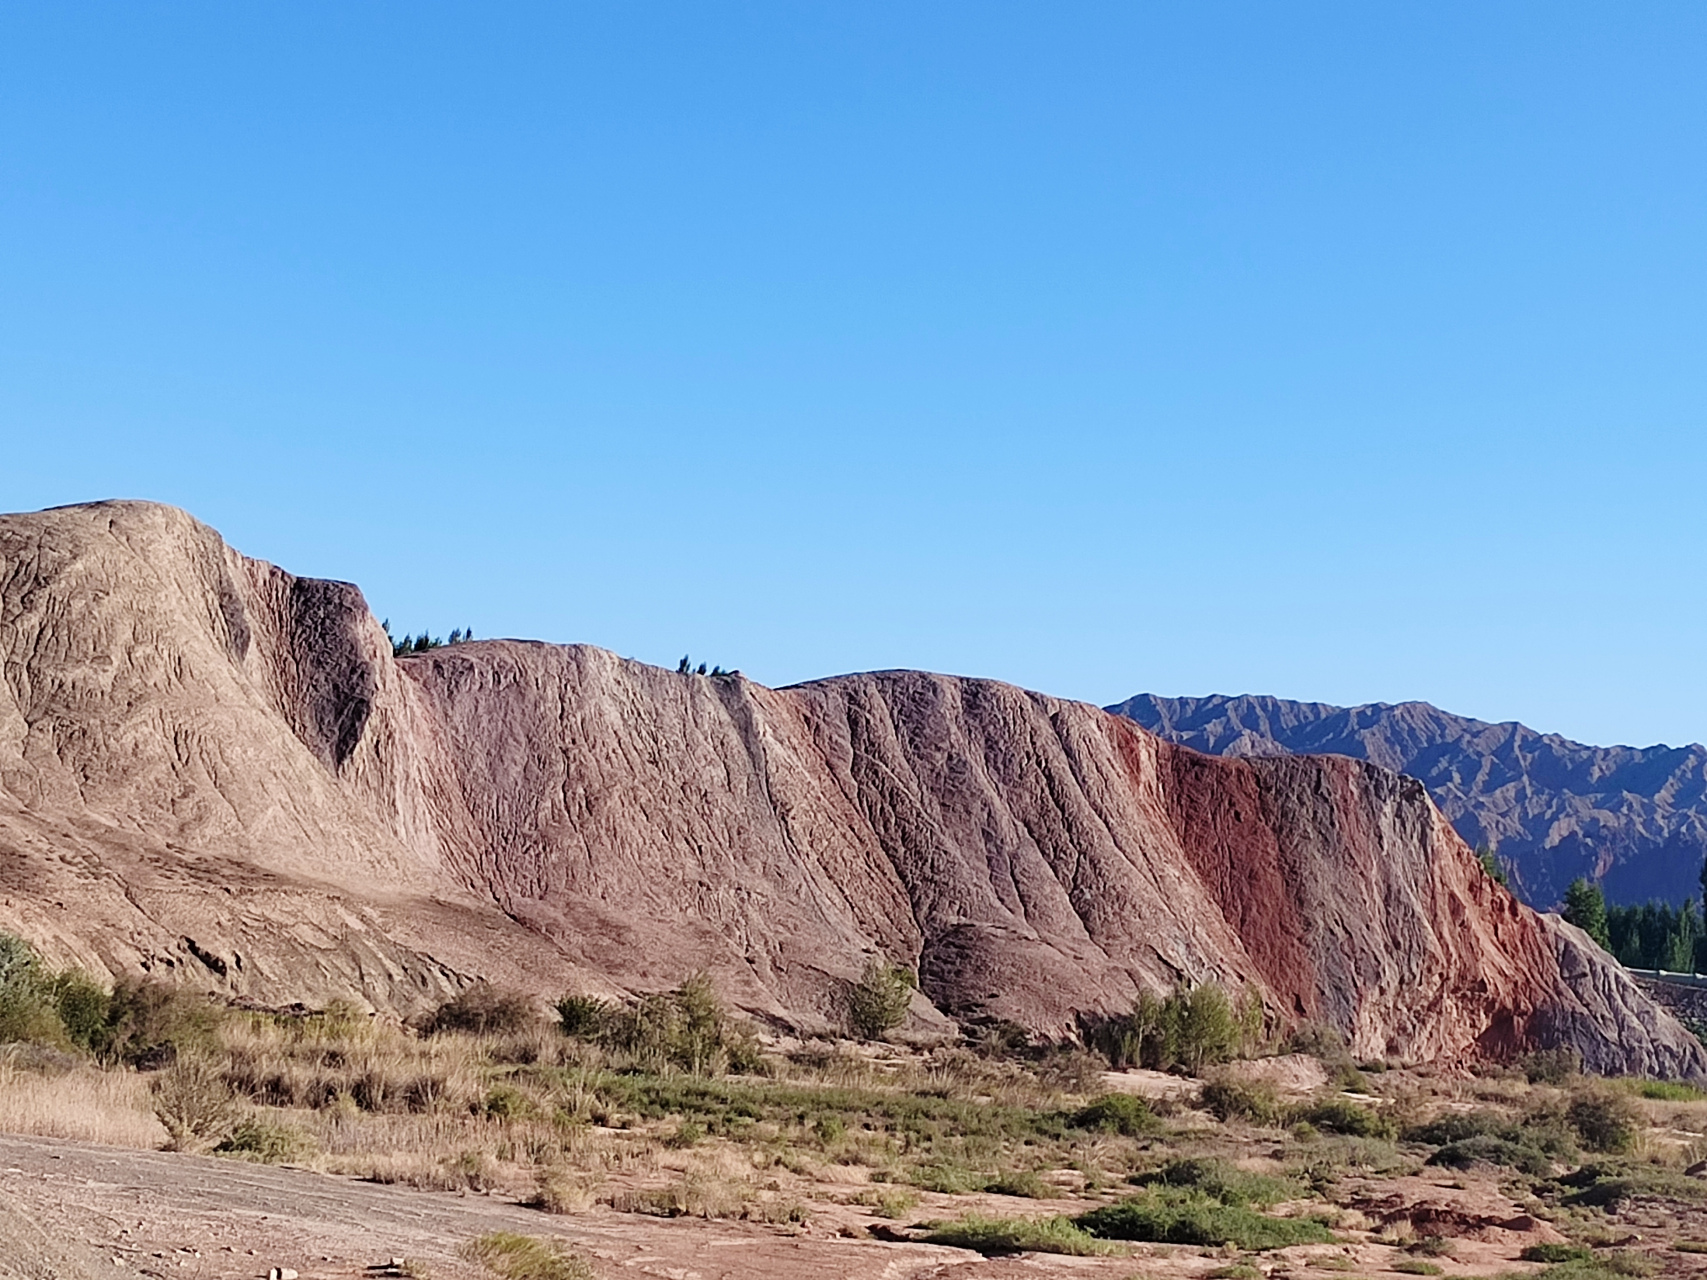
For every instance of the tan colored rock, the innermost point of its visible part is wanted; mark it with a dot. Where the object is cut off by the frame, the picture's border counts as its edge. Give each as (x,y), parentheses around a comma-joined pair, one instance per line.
(221,773)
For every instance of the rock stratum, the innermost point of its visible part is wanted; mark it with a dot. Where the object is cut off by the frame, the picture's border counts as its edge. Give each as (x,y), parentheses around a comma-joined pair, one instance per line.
(1631,819)
(215,771)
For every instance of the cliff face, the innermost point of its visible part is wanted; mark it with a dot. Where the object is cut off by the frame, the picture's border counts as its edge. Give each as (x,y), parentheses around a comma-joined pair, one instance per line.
(211,768)
(1632,819)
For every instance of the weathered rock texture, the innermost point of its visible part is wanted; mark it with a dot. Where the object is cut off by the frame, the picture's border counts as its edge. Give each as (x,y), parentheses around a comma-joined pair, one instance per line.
(1632,819)
(213,769)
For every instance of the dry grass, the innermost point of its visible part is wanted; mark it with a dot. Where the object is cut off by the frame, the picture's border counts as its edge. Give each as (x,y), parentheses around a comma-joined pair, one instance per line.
(84,1104)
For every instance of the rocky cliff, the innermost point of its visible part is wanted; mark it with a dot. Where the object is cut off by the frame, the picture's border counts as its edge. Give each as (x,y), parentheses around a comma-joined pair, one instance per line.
(212,769)
(1632,819)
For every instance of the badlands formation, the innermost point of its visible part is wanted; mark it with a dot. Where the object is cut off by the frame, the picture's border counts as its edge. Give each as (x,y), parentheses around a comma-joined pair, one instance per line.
(216,772)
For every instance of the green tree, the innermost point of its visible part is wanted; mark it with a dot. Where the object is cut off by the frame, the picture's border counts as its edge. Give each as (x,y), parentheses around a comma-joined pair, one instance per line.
(1585,907)
(878,1001)
(1491,864)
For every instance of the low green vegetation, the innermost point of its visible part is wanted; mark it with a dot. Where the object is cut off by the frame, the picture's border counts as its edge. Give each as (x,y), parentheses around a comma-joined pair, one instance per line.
(1192,1028)
(1016,1235)
(423,643)
(1176,1215)
(878,1002)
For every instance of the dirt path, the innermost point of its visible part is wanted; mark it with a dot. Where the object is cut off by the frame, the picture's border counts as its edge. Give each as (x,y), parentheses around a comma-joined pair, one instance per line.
(70,1211)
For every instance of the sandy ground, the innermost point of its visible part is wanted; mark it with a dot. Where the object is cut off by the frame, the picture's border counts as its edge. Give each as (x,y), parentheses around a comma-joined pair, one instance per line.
(70,1211)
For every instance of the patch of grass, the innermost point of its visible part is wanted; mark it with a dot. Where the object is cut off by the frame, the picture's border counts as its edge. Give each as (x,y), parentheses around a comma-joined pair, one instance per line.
(1430,1246)
(1691,1246)
(1342,1115)
(895,1203)
(1236,1271)
(1556,1253)
(519,1257)
(1173,1216)
(1667,1090)
(483,1010)
(1254,1101)
(1019,1235)
(1118,1113)
(1607,1184)
(265,1141)
(1220,1182)
(1417,1267)
(1023,1183)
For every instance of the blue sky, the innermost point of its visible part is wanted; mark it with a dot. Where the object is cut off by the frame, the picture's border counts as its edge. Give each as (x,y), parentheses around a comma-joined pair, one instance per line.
(1345,352)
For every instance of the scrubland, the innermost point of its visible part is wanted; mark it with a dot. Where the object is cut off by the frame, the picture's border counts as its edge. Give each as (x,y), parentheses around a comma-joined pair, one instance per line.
(1213,1151)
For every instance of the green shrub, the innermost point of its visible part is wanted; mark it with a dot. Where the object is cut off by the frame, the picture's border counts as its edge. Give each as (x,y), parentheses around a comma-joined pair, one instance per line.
(581,1017)
(1014,1235)
(1417,1267)
(1489,1149)
(1605,1121)
(1552,1066)
(1023,1183)
(1173,1216)
(1607,1184)
(1252,1100)
(687,1029)
(1120,1113)
(878,1002)
(1342,1115)
(483,1010)
(264,1141)
(1192,1028)
(1219,1181)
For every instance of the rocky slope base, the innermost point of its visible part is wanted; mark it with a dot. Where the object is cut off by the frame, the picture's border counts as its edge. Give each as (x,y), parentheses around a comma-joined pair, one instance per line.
(212,769)
(1632,819)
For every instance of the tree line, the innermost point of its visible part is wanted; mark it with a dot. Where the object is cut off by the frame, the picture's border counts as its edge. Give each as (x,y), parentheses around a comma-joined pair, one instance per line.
(1654,935)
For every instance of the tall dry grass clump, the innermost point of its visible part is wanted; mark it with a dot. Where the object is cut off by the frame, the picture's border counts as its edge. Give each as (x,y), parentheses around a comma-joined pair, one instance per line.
(81,1102)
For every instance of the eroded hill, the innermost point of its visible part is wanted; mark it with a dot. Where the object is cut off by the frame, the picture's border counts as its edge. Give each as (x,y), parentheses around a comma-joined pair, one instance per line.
(213,769)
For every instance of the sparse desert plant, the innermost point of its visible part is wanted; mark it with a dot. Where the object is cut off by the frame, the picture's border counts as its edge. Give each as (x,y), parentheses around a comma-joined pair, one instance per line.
(1192,1028)
(1552,1066)
(1023,1183)
(687,1029)
(193,1103)
(878,1002)
(263,1140)
(1219,1181)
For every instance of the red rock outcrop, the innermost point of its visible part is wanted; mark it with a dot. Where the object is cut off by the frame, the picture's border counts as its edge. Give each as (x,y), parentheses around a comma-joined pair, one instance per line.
(211,767)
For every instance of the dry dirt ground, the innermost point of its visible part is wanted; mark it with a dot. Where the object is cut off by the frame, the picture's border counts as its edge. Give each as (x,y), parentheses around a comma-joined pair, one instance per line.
(74,1211)
(70,1211)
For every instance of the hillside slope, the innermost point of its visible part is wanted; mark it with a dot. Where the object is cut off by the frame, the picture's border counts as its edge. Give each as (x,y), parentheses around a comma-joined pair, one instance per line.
(213,769)
(1632,819)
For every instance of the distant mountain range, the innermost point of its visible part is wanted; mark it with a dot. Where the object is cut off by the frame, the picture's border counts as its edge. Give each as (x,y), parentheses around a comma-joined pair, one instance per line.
(1632,819)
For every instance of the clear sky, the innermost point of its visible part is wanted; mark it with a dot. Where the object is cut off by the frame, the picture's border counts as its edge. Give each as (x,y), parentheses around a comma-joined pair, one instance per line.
(1345,352)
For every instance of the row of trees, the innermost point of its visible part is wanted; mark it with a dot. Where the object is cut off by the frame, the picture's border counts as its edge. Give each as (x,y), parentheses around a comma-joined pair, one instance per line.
(423,642)
(1655,935)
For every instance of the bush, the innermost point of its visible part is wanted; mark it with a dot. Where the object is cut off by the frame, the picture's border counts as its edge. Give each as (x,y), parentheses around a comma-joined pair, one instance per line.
(1023,1183)
(1552,1066)
(1228,1099)
(1192,1028)
(1219,1181)
(483,1010)
(687,1029)
(581,1017)
(1117,1113)
(194,1104)
(1341,1115)
(1012,1235)
(264,1141)
(149,1025)
(878,1002)
(1170,1216)
(1605,1121)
